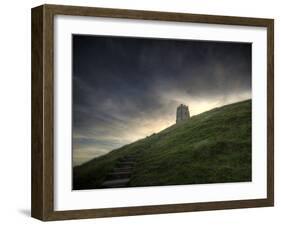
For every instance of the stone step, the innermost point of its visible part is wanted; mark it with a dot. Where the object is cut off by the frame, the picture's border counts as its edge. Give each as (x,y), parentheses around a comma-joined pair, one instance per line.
(133,154)
(127,163)
(116,183)
(119,175)
(128,159)
(123,169)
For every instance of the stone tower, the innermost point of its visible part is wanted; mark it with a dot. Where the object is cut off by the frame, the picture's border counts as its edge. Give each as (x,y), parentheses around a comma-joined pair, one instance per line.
(182,113)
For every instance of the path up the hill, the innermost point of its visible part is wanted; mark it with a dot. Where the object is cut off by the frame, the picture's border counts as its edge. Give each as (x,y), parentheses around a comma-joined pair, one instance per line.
(121,173)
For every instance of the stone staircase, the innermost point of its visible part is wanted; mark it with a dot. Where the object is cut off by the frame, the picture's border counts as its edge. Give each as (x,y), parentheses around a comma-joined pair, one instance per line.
(120,176)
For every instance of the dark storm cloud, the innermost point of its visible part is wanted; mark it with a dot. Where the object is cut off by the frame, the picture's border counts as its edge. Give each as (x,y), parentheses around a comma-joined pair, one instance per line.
(120,84)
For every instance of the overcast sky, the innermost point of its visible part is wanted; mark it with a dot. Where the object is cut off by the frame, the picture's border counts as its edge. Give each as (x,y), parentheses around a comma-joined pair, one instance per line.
(127,88)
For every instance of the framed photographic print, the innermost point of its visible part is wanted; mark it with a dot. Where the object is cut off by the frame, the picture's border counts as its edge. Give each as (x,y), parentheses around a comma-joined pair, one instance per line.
(141,112)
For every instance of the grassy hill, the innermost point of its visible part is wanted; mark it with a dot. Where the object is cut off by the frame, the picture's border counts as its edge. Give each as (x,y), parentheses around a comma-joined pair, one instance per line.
(212,147)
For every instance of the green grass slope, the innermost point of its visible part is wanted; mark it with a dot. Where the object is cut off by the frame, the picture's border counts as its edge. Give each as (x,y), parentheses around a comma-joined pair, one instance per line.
(212,147)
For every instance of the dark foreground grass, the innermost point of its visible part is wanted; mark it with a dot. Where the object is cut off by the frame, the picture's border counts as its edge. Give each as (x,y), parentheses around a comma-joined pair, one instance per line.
(213,147)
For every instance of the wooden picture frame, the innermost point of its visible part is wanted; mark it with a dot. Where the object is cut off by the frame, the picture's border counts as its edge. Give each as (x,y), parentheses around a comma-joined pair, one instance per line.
(43,110)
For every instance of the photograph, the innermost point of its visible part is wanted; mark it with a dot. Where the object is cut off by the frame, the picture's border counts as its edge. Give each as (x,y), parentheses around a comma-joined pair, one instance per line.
(159,112)
(140,112)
